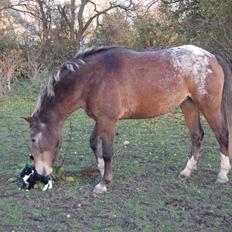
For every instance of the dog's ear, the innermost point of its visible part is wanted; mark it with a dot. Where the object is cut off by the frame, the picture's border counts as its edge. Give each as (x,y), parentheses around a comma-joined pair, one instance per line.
(26,166)
(22,172)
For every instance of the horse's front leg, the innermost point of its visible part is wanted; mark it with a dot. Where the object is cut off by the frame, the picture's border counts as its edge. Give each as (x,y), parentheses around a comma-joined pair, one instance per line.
(95,144)
(106,131)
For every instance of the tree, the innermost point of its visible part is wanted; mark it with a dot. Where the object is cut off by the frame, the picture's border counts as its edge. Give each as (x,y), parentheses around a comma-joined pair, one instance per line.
(155,27)
(82,21)
(205,23)
(11,8)
(115,28)
(43,16)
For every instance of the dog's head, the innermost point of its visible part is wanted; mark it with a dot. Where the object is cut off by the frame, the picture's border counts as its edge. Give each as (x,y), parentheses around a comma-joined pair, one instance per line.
(27,171)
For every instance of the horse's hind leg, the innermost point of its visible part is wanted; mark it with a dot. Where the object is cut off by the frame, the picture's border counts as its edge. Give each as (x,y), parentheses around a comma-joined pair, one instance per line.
(192,118)
(215,119)
(95,144)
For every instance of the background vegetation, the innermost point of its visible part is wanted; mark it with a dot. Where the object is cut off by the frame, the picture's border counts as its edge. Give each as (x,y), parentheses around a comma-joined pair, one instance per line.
(38,35)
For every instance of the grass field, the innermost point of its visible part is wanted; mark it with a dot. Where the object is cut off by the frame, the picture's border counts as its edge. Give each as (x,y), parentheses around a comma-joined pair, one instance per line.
(146,193)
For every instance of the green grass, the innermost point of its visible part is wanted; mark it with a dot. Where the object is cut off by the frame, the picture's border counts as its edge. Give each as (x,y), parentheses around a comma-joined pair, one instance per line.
(146,193)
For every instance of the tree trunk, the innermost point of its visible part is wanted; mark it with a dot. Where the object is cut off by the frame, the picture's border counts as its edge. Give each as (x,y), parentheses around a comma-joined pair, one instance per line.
(78,40)
(1,89)
(72,22)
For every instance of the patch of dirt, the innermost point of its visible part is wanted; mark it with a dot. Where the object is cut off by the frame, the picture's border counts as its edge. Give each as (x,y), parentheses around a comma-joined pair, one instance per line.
(178,203)
(89,172)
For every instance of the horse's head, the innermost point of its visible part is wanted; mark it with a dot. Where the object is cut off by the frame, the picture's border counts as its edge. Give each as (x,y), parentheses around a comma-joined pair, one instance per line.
(45,144)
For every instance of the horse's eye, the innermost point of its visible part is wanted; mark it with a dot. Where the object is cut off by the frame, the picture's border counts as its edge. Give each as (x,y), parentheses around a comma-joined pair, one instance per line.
(33,140)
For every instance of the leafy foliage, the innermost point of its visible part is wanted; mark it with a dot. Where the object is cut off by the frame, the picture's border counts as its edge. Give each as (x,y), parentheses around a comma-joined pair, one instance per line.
(115,29)
(160,24)
(205,23)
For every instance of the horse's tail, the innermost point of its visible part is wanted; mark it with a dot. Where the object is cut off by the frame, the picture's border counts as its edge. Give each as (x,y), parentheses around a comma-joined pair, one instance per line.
(227,100)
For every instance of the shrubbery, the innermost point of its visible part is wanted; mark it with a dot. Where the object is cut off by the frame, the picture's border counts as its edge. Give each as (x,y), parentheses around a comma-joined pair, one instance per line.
(203,23)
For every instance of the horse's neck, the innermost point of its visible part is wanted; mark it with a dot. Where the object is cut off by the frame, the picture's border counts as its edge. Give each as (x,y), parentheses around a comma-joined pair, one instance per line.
(68,103)
(67,98)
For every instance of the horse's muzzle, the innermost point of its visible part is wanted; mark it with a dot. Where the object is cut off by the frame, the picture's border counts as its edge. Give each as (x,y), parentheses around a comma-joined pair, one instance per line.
(43,169)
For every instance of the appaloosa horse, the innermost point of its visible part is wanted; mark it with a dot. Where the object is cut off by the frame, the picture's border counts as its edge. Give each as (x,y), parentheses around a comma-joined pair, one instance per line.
(113,83)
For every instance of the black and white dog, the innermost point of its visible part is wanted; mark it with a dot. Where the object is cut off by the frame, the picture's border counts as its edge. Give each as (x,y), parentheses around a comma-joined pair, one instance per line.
(30,177)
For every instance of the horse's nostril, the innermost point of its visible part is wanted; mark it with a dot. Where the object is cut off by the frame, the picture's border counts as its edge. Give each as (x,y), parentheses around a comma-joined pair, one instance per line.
(31,157)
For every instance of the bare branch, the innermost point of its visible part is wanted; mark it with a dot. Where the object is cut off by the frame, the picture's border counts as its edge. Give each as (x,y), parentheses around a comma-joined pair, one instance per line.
(63,14)
(25,12)
(80,14)
(22,21)
(95,6)
(6,4)
(98,13)
(84,25)
(171,1)
(148,7)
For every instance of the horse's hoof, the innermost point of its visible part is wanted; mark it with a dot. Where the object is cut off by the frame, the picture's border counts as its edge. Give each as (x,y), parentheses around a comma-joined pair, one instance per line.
(222,180)
(100,188)
(184,175)
(183,178)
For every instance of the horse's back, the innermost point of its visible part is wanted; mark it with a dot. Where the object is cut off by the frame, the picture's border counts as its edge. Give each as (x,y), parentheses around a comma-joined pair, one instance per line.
(149,84)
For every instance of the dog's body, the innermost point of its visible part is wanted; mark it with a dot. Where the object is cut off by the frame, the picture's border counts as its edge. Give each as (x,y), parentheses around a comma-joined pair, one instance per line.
(30,177)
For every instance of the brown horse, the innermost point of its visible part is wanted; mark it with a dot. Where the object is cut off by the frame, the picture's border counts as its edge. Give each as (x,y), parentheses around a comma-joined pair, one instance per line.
(113,83)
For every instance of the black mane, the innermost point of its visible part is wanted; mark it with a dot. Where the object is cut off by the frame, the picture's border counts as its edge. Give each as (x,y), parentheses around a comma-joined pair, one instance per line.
(93,51)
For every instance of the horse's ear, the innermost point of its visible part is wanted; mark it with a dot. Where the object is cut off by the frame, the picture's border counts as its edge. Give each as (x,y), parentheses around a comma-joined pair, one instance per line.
(30,120)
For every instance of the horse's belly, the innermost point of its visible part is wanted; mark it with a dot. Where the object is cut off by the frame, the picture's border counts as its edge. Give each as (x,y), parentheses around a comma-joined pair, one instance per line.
(152,104)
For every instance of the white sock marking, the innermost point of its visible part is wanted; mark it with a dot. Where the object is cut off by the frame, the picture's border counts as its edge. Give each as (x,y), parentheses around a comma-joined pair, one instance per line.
(190,166)
(224,169)
(101,166)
